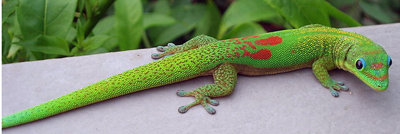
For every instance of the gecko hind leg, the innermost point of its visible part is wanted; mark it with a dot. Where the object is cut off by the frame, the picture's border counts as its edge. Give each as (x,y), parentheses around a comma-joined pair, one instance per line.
(225,77)
(193,43)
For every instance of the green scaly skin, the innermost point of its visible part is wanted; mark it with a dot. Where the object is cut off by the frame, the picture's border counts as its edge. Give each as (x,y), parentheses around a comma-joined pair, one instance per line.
(316,46)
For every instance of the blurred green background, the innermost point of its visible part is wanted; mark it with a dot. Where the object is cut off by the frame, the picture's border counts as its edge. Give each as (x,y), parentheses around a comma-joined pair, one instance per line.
(44,29)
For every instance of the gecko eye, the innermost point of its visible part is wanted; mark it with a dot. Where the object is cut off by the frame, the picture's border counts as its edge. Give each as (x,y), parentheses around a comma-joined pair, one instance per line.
(360,64)
(389,61)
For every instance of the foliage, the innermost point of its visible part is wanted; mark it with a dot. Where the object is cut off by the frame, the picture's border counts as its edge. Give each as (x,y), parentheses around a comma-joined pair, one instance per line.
(43,29)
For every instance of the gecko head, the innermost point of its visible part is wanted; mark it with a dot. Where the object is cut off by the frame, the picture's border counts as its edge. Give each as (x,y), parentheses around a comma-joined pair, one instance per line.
(370,63)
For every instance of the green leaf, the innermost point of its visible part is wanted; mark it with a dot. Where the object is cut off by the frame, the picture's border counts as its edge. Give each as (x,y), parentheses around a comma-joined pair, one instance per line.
(6,41)
(209,24)
(71,35)
(97,51)
(336,13)
(45,17)
(95,42)
(242,11)
(129,23)
(162,7)
(80,33)
(378,12)
(8,9)
(187,17)
(47,44)
(105,26)
(302,12)
(13,48)
(157,19)
(245,29)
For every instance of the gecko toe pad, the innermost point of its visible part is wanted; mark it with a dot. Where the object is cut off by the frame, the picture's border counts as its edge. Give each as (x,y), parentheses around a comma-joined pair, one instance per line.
(334,92)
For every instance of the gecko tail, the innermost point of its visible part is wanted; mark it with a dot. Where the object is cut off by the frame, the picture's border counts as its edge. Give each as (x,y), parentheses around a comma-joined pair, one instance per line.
(144,77)
(97,92)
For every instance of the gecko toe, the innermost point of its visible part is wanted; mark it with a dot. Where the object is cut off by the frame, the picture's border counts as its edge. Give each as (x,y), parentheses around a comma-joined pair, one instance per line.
(210,110)
(156,56)
(213,102)
(181,93)
(340,86)
(340,83)
(334,92)
(183,109)
(161,48)
(344,88)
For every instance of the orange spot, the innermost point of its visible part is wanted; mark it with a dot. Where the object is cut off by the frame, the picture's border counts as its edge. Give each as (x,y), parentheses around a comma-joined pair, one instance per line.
(381,78)
(377,65)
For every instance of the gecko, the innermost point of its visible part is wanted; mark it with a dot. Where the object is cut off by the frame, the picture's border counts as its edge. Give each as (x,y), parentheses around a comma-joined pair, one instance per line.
(320,47)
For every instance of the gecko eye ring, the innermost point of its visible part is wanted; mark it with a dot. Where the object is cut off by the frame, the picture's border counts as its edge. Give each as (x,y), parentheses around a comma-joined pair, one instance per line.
(389,61)
(360,64)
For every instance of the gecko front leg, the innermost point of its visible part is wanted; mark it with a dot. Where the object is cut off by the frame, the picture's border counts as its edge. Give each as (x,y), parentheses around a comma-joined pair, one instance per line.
(320,68)
(225,77)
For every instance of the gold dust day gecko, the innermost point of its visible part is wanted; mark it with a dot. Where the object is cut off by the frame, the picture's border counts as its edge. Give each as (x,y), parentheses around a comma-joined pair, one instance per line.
(322,48)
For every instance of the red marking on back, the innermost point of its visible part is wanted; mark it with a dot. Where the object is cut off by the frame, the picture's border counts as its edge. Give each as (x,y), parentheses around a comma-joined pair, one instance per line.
(250,44)
(237,42)
(250,37)
(261,54)
(233,39)
(292,51)
(273,40)
(237,54)
(377,65)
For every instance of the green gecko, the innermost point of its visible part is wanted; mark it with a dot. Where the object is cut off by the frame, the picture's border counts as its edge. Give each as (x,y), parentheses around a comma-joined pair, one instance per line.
(320,47)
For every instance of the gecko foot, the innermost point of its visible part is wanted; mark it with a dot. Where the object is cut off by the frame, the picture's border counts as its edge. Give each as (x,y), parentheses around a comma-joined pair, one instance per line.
(165,48)
(200,99)
(165,51)
(339,86)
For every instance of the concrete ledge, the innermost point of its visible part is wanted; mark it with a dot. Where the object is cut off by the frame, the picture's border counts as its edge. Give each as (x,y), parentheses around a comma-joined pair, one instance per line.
(292,102)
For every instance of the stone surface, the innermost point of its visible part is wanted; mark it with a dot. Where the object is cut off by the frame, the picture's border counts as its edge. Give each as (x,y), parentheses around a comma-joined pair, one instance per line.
(292,102)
